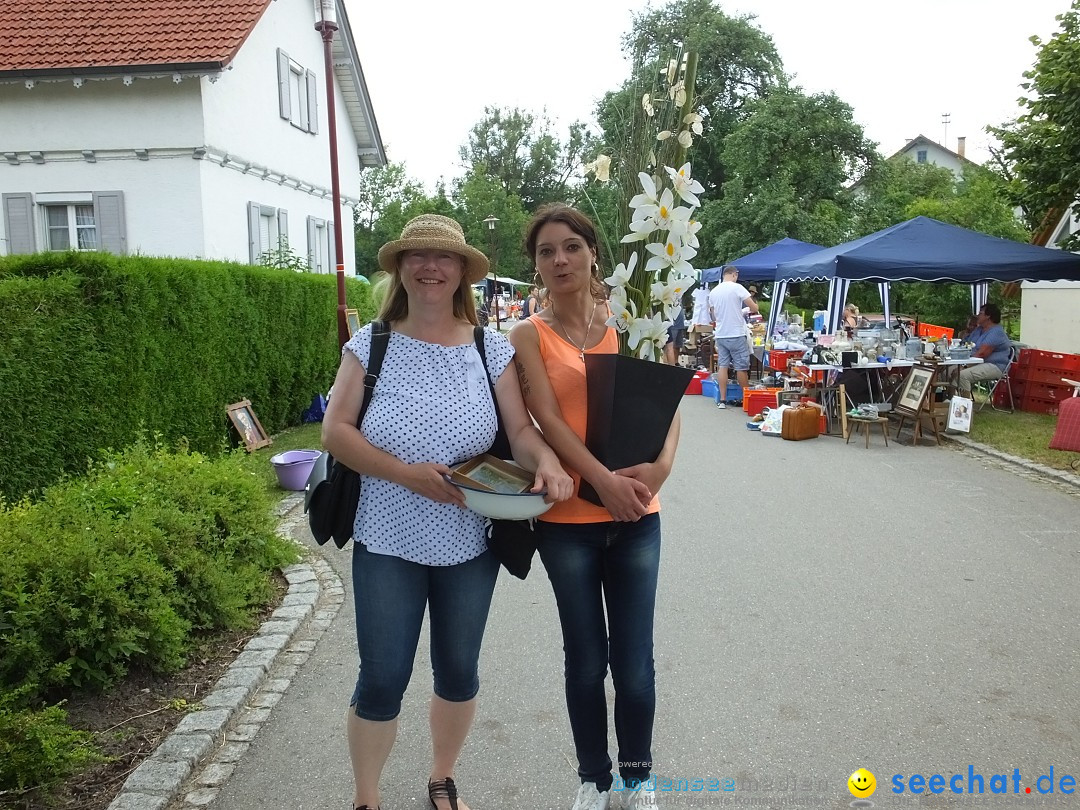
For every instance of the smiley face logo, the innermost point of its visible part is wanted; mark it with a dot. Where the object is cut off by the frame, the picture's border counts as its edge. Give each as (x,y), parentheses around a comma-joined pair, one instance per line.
(862,784)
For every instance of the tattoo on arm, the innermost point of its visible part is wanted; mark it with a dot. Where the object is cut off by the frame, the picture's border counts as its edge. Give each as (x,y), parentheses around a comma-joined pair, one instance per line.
(523,378)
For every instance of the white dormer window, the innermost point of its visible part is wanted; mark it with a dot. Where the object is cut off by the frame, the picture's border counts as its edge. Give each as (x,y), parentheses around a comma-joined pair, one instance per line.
(297,94)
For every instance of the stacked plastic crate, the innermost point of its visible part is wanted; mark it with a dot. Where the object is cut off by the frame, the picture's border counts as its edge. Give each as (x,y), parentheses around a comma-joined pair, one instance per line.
(1036,379)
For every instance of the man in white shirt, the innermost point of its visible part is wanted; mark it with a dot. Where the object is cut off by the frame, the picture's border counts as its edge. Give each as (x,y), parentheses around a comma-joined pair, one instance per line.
(726,303)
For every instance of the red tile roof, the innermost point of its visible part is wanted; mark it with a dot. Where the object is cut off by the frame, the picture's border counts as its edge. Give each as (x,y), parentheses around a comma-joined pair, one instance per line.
(72,35)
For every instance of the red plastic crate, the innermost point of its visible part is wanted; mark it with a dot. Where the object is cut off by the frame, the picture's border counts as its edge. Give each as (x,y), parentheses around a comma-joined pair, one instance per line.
(931,331)
(1039,405)
(1038,374)
(1047,391)
(755,400)
(778,360)
(695,384)
(1049,361)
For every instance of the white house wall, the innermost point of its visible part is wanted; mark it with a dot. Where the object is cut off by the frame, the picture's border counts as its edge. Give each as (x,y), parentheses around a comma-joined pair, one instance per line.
(1049,315)
(242,119)
(100,115)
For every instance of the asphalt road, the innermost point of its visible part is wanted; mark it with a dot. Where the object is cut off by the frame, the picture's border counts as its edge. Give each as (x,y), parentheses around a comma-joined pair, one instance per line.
(822,607)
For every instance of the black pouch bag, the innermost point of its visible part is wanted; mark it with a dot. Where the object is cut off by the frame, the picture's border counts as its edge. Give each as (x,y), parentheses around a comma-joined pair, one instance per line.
(513,542)
(332,492)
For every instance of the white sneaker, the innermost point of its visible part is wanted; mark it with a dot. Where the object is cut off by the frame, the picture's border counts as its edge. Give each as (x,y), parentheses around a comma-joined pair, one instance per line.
(722,406)
(589,798)
(643,797)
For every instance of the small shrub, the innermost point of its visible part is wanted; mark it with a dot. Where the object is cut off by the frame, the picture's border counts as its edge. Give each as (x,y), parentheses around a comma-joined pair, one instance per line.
(38,748)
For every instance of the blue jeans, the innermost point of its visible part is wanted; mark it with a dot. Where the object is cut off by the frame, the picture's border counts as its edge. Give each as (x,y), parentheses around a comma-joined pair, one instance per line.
(391,595)
(616,564)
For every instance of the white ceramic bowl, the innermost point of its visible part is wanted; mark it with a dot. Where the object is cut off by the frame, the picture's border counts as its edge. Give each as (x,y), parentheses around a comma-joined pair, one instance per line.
(505,507)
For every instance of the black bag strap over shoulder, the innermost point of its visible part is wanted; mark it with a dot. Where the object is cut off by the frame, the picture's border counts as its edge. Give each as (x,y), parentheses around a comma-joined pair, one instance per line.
(500,448)
(380,339)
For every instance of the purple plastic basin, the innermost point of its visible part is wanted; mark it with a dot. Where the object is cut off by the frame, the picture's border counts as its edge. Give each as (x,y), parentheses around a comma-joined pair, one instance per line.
(293,467)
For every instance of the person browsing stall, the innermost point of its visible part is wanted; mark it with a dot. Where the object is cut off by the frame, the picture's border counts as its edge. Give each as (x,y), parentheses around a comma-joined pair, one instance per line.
(416,547)
(726,303)
(602,561)
(991,344)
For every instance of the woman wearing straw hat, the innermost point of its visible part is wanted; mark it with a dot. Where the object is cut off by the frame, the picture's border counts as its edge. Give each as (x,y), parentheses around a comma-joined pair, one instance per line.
(417,547)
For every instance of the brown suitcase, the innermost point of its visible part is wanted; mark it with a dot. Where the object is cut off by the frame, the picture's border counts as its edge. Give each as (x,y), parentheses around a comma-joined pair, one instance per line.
(801,422)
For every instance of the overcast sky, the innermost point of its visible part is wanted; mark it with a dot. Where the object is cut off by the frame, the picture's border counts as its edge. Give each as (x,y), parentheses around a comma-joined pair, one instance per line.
(432,66)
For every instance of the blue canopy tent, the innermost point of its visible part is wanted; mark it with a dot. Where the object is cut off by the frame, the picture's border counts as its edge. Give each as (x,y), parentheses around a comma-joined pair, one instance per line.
(924,249)
(761,264)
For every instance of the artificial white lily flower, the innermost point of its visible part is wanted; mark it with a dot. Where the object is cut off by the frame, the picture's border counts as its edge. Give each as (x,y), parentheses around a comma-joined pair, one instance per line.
(648,185)
(620,276)
(685,185)
(601,168)
(664,216)
(671,254)
(622,314)
(690,237)
(648,334)
(694,120)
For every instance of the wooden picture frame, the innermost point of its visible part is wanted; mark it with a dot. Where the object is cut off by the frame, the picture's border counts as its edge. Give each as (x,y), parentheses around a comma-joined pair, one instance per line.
(915,389)
(491,474)
(247,424)
(352,318)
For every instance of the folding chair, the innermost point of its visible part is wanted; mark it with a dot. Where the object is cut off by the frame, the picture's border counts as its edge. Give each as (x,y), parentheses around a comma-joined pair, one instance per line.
(990,386)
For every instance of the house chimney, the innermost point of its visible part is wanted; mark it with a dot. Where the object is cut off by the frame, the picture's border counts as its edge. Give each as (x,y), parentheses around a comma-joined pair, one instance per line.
(960,144)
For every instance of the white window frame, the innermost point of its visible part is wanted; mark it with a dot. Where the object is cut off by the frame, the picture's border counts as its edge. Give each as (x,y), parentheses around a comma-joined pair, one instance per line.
(298,96)
(68,201)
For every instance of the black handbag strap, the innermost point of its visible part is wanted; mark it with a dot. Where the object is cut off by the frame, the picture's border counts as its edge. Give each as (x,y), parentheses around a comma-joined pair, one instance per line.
(380,339)
(500,448)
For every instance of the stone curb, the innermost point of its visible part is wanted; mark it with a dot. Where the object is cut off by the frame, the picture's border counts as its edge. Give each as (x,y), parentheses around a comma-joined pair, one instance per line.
(1059,476)
(196,759)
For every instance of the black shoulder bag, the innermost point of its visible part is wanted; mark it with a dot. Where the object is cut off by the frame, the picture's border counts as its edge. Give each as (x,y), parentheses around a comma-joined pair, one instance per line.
(332,492)
(513,542)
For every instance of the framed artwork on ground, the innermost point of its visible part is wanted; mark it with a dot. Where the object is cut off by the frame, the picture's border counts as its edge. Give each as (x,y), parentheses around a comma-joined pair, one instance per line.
(915,389)
(352,317)
(247,424)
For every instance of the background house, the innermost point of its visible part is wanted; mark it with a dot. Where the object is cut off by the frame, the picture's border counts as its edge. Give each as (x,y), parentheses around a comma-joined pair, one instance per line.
(1048,309)
(923,150)
(194,128)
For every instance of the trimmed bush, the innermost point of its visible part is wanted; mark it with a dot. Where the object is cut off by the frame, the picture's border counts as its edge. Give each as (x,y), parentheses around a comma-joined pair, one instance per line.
(117,569)
(95,348)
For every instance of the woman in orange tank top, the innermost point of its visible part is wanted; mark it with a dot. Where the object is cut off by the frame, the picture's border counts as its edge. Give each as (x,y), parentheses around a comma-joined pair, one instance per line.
(594,555)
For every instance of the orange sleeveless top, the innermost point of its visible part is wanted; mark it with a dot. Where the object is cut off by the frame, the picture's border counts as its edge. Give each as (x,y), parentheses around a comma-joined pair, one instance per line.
(567,375)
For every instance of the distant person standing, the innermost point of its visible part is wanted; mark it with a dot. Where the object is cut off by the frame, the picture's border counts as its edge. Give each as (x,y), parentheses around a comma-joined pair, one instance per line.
(726,303)
(532,303)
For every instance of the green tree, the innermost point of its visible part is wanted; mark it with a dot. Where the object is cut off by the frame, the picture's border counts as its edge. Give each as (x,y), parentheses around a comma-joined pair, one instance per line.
(886,192)
(979,202)
(386,195)
(479,195)
(787,164)
(521,151)
(737,62)
(1041,148)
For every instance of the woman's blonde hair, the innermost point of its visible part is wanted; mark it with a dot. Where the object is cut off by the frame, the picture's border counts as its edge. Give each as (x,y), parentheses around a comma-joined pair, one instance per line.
(395,304)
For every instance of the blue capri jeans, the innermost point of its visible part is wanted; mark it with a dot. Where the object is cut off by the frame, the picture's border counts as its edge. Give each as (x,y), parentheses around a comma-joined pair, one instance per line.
(591,565)
(391,595)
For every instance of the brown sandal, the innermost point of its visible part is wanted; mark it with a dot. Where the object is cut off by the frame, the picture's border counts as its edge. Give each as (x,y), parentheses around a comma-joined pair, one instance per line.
(442,789)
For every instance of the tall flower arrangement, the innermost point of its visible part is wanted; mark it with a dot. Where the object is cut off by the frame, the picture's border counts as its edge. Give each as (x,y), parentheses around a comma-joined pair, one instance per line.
(653,266)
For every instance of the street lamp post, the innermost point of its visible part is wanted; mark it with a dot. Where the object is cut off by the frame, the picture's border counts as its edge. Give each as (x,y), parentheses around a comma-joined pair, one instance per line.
(326,14)
(490,222)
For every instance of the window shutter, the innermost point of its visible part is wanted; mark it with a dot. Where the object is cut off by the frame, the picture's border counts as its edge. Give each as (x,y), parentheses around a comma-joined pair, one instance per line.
(109,217)
(284,102)
(282,226)
(254,212)
(312,103)
(19,223)
(331,245)
(312,248)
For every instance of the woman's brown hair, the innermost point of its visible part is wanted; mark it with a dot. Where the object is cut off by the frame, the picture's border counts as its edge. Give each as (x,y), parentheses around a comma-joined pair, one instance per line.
(575,221)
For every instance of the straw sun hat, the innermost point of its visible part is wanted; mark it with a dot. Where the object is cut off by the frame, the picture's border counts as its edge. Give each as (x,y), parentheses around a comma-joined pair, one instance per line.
(434,232)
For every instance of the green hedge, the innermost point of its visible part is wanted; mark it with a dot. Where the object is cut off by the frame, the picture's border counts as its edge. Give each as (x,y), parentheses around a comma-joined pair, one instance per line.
(95,348)
(125,567)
